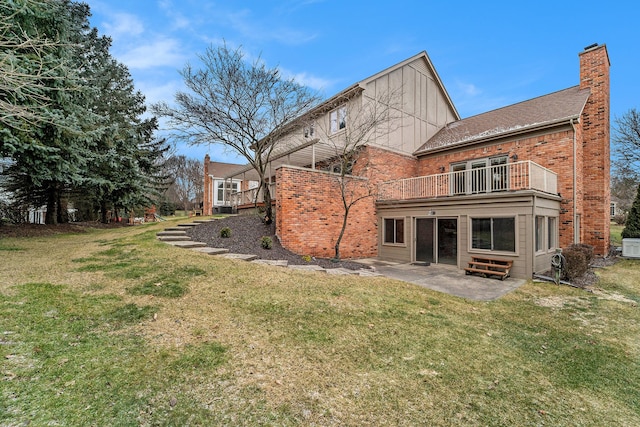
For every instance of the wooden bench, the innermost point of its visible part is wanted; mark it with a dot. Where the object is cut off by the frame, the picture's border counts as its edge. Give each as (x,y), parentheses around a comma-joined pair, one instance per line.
(489,267)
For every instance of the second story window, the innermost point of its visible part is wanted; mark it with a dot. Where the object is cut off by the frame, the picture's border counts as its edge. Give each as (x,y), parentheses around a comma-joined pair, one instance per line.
(338,119)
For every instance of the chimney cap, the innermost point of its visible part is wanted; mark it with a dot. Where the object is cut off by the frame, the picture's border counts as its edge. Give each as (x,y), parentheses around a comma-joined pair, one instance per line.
(591,46)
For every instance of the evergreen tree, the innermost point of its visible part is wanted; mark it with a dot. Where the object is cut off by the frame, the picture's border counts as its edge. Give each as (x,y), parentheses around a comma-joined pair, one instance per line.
(632,225)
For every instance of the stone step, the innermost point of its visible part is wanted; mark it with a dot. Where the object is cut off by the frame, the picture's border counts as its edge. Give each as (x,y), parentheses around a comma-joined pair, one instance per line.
(276,262)
(172,233)
(203,221)
(243,257)
(174,229)
(212,251)
(184,238)
(340,271)
(307,267)
(187,244)
(188,224)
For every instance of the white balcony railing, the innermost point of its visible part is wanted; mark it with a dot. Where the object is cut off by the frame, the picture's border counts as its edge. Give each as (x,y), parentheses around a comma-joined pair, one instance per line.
(249,197)
(524,175)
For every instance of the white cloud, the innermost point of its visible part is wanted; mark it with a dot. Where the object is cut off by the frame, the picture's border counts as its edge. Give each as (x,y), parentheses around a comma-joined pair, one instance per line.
(306,79)
(158,53)
(123,24)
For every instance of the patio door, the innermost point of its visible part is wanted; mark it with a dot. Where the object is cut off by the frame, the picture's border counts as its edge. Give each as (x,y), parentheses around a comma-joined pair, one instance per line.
(448,241)
(437,240)
(424,239)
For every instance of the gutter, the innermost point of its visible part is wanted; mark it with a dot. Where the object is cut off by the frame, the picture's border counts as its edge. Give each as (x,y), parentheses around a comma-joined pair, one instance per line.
(575,179)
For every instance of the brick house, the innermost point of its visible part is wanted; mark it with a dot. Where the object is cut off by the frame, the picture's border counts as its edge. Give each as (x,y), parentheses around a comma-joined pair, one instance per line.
(516,182)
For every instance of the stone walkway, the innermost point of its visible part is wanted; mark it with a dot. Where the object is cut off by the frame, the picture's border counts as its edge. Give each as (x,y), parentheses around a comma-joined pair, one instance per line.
(177,236)
(438,277)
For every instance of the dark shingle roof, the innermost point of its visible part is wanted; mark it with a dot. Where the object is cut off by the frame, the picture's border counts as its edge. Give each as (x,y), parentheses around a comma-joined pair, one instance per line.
(554,108)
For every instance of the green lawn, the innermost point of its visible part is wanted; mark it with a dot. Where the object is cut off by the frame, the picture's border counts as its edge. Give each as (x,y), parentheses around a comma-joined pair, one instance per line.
(115,328)
(616,234)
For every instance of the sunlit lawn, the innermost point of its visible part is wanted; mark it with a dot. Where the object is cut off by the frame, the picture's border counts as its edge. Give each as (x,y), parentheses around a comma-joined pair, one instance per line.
(116,328)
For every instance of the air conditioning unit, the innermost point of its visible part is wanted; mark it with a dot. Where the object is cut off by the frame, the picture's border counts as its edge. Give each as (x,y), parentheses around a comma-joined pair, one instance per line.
(631,248)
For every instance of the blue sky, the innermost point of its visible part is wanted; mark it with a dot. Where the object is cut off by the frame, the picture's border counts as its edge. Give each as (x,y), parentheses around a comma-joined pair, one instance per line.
(488,54)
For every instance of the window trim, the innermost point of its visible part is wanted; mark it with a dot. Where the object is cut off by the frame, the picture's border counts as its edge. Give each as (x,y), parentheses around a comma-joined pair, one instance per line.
(395,231)
(471,249)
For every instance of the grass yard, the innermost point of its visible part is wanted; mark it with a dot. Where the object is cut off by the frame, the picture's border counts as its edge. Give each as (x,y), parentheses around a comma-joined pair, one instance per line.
(112,327)
(616,234)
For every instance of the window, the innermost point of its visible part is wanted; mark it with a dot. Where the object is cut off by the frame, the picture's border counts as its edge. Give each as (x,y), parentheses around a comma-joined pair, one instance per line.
(231,187)
(480,176)
(539,233)
(552,232)
(309,130)
(496,234)
(394,231)
(338,119)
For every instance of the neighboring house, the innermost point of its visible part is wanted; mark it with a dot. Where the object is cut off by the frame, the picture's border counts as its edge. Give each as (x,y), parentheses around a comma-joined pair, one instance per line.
(218,189)
(515,183)
(4,164)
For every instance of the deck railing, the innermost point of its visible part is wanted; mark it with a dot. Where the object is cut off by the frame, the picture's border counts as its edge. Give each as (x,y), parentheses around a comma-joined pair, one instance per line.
(524,175)
(249,197)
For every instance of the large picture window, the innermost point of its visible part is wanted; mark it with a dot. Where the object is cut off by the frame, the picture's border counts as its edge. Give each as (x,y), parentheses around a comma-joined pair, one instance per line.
(496,234)
(394,231)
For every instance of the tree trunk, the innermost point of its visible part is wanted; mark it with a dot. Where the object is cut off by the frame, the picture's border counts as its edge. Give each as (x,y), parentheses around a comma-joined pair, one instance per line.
(50,217)
(103,212)
(62,211)
(342,230)
(266,197)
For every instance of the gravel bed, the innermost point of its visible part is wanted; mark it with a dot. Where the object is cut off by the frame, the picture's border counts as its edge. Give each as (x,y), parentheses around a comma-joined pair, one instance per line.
(246,234)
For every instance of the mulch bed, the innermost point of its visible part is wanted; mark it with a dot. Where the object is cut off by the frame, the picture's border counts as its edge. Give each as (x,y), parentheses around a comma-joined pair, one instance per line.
(246,234)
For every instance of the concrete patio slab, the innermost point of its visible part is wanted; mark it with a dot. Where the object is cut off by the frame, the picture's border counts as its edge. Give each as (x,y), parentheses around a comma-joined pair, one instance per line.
(447,279)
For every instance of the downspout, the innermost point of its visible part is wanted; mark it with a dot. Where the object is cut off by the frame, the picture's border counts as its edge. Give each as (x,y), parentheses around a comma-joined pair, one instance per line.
(575,180)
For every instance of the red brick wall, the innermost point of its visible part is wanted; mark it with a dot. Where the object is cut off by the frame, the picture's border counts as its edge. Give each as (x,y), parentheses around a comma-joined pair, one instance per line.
(309,209)
(594,74)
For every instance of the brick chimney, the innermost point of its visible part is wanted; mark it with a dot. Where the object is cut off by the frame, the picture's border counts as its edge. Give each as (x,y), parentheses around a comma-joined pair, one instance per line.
(207,203)
(594,75)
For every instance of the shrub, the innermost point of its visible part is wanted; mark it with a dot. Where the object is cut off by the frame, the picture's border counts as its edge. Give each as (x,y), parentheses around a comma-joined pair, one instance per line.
(266,242)
(620,219)
(584,248)
(576,262)
(632,225)
(306,258)
(225,232)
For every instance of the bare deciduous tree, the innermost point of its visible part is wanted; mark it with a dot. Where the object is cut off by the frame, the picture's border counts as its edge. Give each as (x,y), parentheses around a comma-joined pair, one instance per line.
(186,186)
(365,120)
(626,139)
(243,106)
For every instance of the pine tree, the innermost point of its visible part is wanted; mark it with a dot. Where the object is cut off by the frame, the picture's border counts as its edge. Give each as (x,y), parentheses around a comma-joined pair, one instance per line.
(632,225)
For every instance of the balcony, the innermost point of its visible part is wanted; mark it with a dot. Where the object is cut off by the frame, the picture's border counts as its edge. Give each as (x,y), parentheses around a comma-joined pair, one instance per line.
(249,197)
(524,175)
